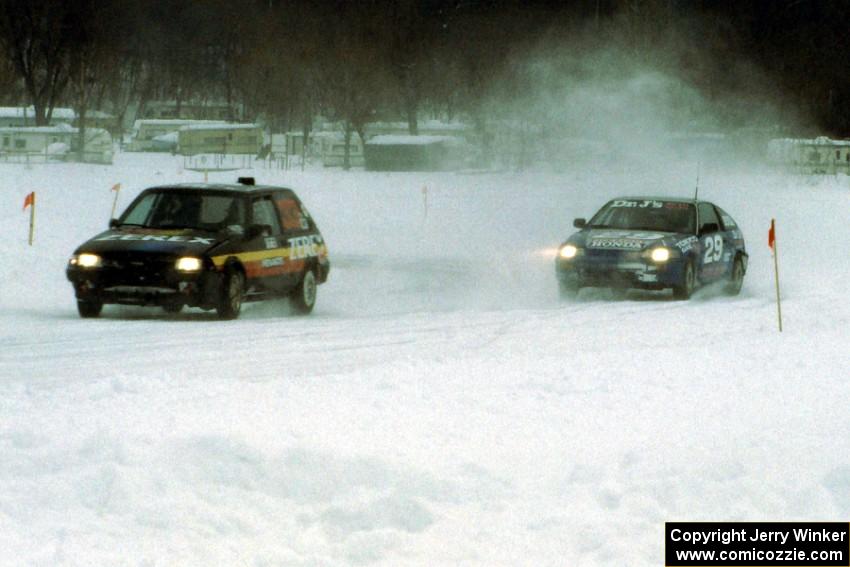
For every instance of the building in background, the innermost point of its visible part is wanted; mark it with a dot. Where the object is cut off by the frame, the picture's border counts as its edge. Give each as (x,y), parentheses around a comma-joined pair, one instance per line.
(190,110)
(54,143)
(99,119)
(245,139)
(19,116)
(146,132)
(401,152)
(329,148)
(819,155)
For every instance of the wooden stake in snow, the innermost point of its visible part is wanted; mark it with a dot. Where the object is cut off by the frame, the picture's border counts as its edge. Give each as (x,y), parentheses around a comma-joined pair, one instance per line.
(424,202)
(771,242)
(117,189)
(29,201)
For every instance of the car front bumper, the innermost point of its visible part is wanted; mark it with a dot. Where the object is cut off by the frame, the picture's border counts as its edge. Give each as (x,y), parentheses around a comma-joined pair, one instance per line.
(612,270)
(145,287)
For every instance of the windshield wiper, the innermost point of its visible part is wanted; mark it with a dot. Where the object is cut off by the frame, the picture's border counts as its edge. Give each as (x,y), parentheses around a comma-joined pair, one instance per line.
(649,228)
(174,226)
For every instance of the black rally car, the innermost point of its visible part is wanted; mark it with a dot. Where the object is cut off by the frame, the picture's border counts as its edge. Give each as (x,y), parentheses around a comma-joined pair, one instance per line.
(203,245)
(653,243)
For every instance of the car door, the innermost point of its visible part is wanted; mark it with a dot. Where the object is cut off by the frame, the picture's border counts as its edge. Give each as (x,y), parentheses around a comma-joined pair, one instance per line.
(732,231)
(298,236)
(265,253)
(716,246)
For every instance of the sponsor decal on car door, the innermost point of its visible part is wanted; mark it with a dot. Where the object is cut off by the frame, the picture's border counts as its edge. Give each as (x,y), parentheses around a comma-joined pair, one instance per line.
(277,257)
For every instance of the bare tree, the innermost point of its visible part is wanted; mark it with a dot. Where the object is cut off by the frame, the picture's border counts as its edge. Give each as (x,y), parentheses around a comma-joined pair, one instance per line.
(352,77)
(36,37)
(409,38)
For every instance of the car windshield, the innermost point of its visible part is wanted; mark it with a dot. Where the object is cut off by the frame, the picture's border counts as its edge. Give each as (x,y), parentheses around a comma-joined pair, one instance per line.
(185,209)
(649,214)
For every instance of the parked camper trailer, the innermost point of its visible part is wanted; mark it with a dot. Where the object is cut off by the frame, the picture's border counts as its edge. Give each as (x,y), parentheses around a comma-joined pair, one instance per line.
(18,116)
(36,142)
(191,110)
(820,155)
(144,132)
(54,143)
(25,117)
(220,139)
(97,147)
(414,153)
(99,119)
(330,148)
(424,128)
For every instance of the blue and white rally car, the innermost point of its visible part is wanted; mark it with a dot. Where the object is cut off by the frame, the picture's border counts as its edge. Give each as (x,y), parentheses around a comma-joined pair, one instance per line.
(653,243)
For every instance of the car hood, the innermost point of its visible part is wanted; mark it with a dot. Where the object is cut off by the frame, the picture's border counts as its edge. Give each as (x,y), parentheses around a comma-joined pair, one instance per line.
(145,240)
(613,239)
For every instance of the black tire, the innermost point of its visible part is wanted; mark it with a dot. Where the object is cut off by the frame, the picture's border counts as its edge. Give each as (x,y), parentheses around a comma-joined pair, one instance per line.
(173,307)
(568,290)
(231,295)
(689,281)
(303,297)
(89,309)
(736,277)
(619,293)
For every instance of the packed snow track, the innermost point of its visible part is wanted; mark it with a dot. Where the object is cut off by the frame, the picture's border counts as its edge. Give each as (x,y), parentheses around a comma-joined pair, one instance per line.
(440,406)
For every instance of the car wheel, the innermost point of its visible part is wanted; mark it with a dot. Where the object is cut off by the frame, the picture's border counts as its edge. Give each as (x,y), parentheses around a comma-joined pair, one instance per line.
(688,283)
(568,290)
(736,277)
(232,292)
(173,307)
(89,309)
(304,295)
(619,293)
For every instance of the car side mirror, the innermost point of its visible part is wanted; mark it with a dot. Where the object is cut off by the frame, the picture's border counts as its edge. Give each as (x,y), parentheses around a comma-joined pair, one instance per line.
(709,228)
(113,223)
(580,223)
(232,230)
(256,230)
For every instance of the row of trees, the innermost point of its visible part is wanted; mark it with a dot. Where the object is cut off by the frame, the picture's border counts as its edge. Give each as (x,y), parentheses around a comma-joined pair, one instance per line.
(286,61)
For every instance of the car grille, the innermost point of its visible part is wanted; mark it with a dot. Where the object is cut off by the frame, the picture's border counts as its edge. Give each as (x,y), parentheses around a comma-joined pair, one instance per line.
(612,256)
(136,269)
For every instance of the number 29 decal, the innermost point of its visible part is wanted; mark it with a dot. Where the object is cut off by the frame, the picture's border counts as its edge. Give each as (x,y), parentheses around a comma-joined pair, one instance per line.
(713,249)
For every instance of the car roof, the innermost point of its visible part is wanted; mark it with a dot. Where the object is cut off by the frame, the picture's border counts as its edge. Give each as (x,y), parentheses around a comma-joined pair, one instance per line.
(657,198)
(230,187)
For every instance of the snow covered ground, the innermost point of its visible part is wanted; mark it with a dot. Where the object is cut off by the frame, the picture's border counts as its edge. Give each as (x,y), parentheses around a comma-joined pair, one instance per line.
(440,407)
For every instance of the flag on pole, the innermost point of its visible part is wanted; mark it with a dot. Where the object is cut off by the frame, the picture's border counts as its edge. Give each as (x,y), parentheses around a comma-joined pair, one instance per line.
(771,242)
(29,201)
(117,189)
(771,236)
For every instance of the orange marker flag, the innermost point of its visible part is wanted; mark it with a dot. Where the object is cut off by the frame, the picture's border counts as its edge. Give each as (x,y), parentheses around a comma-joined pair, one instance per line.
(771,235)
(771,242)
(117,189)
(29,201)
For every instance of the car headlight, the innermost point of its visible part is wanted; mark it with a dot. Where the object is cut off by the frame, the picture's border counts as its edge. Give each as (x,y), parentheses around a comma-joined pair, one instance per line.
(568,251)
(660,254)
(189,264)
(86,260)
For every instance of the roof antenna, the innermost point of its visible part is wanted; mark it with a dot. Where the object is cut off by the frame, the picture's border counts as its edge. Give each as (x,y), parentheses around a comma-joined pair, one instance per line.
(696,191)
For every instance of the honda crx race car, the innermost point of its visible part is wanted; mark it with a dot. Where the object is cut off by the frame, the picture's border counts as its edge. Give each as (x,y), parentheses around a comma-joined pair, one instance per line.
(653,243)
(203,245)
